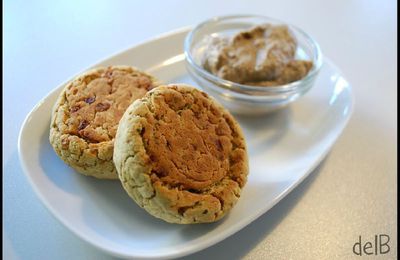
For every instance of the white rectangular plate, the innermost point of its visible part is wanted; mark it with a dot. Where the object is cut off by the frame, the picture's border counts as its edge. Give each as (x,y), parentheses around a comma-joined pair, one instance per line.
(283,148)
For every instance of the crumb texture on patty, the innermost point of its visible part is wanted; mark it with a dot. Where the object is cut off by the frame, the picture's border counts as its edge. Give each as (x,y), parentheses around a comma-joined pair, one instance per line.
(180,155)
(86,116)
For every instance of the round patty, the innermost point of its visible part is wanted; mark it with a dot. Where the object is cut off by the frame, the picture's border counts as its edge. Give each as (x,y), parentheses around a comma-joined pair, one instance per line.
(86,115)
(180,155)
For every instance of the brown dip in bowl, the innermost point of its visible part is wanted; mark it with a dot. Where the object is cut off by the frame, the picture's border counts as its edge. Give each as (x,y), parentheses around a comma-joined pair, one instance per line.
(261,56)
(252,64)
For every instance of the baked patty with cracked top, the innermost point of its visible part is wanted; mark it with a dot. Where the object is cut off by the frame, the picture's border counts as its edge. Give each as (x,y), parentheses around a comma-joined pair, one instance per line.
(86,115)
(180,155)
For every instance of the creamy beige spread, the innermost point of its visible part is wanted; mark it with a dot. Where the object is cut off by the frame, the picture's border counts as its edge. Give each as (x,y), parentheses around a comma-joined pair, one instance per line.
(261,56)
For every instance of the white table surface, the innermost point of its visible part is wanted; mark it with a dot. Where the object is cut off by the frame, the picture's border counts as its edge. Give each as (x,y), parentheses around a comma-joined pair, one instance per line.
(351,193)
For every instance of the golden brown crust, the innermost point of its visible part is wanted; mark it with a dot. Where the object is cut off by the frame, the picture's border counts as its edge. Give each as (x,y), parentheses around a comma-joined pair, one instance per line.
(86,116)
(180,155)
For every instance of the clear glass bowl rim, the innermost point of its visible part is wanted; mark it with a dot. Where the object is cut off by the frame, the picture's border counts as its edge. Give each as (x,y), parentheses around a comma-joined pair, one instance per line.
(241,88)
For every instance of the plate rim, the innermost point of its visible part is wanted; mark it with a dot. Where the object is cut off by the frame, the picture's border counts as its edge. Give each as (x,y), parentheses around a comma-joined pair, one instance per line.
(189,249)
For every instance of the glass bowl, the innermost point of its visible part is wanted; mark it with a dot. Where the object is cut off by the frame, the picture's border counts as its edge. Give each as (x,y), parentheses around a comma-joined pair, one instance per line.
(247,99)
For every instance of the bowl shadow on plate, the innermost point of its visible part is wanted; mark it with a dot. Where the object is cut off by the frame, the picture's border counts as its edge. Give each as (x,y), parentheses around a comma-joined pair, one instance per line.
(240,243)
(263,132)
